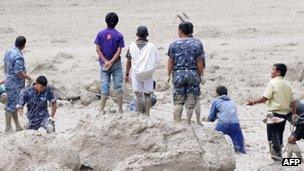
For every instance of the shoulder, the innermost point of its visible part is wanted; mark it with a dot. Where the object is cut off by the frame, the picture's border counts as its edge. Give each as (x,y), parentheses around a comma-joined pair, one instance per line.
(118,33)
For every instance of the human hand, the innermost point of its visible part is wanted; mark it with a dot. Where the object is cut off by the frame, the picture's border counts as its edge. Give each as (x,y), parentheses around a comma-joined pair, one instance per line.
(168,79)
(107,65)
(205,119)
(202,78)
(127,78)
(250,102)
(30,81)
(52,119)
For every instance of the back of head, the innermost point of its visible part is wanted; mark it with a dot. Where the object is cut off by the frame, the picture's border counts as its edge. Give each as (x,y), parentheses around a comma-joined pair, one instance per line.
(221,90)
(20,42)
(42,80)
(142,32)
(186,28)
(282,68)
(111,19)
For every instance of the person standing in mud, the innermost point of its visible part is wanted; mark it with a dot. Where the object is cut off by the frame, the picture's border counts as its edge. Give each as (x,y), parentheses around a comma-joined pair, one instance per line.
(36,98)
(109,43)
(141,53)
(198,103)
(280,102)
(186,66)
(15,73)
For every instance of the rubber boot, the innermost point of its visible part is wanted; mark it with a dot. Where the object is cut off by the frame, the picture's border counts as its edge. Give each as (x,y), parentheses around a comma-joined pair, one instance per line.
(139,103)
(8,120)
(198,113)
(178,110)
(103,101)
(189,112)
(294,148)
(147,104)
(16,120)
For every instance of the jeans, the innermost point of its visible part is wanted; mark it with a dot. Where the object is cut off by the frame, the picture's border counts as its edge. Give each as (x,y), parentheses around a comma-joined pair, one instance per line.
(233,130)
(116,72)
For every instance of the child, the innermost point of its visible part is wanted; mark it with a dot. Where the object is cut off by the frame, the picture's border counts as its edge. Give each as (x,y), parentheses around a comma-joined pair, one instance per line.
(224,109)
(109,43)
(142,58)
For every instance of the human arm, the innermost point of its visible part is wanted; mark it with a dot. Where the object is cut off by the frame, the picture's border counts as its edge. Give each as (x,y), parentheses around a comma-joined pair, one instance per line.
(128,67)
(257,101)
(100,54)
(200,65)
(213,112)
(169,68)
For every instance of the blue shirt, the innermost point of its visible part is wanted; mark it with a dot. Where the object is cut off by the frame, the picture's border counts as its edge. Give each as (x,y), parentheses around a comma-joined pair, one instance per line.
(36,103)
(109,41)
(185,52)
(224,109)
(13,64)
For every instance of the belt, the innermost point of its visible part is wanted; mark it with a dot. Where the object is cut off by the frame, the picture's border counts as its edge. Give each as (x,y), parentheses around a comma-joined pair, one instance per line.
(185,69)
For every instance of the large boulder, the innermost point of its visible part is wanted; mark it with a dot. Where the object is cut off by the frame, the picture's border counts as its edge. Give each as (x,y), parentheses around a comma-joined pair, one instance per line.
(118,142)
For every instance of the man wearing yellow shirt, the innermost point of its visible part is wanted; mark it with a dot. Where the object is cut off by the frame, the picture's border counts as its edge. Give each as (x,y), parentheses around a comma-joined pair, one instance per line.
(280,102)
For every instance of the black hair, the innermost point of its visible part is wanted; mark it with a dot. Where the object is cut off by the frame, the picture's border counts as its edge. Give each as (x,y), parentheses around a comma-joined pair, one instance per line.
(221,90)
(142,32)
(42,80)
(20,42)
(186,28)
(282,68)
(111,19)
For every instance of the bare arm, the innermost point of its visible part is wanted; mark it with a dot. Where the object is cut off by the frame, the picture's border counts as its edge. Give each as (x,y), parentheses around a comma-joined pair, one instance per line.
(257,101)
(53,109)
(24,76)
(170,67)
(293,106)
(116,55)
(200,65)
(100,54)
(128,67)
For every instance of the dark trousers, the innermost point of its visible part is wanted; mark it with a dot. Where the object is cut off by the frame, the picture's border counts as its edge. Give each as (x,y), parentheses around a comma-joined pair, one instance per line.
(275,133)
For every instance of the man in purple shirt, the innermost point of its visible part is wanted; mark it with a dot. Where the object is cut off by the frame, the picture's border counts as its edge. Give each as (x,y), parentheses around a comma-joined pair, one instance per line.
(109,43)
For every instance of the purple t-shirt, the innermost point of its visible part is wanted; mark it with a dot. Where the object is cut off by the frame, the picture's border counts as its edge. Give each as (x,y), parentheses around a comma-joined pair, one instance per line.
(109,40)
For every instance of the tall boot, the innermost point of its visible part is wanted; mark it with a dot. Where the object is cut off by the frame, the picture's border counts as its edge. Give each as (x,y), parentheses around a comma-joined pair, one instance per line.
(8,120)
(119,98)
(139,102)
(189,112)
(16,120)
(294,148)
(103,101)
(147,104)
(198,113)
(178,110)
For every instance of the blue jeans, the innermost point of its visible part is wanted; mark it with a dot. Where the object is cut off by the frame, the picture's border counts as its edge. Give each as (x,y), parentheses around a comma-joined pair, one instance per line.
(116,72)
(233,130)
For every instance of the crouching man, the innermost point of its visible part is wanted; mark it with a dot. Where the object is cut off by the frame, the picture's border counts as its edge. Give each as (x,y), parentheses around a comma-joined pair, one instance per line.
(298,134)
(36,99)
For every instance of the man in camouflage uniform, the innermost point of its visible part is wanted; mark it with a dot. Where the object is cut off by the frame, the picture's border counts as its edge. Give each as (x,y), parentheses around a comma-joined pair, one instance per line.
(15,73)
(186,66)
(36,97)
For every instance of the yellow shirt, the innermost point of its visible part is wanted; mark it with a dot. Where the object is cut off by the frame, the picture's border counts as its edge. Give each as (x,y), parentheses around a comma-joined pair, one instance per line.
(279,95)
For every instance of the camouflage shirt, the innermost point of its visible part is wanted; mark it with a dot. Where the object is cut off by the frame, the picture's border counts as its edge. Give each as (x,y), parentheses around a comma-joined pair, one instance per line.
(185,52)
